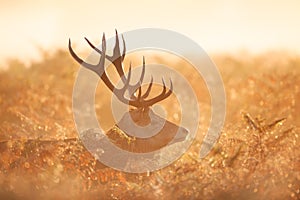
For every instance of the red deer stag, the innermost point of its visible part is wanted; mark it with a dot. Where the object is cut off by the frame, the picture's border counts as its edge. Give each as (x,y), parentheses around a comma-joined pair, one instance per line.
(143,114)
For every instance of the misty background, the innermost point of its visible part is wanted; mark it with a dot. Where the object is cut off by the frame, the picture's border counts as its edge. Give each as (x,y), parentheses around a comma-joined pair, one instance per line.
(27,27)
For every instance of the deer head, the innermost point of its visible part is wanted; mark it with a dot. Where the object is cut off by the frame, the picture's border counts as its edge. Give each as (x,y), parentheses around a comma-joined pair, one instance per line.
(143,113)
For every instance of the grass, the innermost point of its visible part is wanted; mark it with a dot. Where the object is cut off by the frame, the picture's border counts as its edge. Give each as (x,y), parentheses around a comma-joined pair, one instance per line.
(256,157)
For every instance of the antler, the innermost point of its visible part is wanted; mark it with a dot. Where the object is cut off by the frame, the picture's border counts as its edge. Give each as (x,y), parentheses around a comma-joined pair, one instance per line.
(138,101)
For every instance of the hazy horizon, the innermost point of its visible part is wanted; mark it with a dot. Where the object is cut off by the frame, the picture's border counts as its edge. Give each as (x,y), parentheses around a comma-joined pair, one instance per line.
(218,27)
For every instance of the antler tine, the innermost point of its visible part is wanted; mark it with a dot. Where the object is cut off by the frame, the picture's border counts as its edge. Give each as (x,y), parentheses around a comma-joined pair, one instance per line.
(143,71)
(170,90)
(117,60)
(132,88)
(80,61)
(98,50)
(140,93)
(124,48)
(163,95)
(116,49)
(116,53)
(148,89)
(128,78)
(99,68)
(133,100)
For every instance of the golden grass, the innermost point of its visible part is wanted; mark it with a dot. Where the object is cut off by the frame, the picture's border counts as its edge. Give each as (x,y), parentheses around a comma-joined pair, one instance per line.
(256,157)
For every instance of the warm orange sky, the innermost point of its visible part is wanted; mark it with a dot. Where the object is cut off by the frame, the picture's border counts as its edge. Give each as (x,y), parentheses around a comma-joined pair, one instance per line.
(216,25)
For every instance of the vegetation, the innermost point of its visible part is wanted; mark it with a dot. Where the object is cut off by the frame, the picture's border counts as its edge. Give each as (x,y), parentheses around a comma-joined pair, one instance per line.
(256,157)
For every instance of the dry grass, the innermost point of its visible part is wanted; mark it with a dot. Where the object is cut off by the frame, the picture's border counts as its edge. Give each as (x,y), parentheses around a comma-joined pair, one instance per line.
(256,157)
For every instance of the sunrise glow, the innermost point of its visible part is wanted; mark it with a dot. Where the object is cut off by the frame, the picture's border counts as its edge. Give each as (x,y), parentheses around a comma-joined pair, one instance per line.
(218,26)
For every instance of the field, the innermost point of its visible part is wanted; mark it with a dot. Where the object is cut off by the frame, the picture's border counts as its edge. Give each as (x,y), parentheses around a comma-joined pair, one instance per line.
(256,157)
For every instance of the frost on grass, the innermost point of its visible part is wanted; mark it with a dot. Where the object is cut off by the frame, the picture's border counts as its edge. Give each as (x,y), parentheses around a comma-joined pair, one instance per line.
(256,157)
